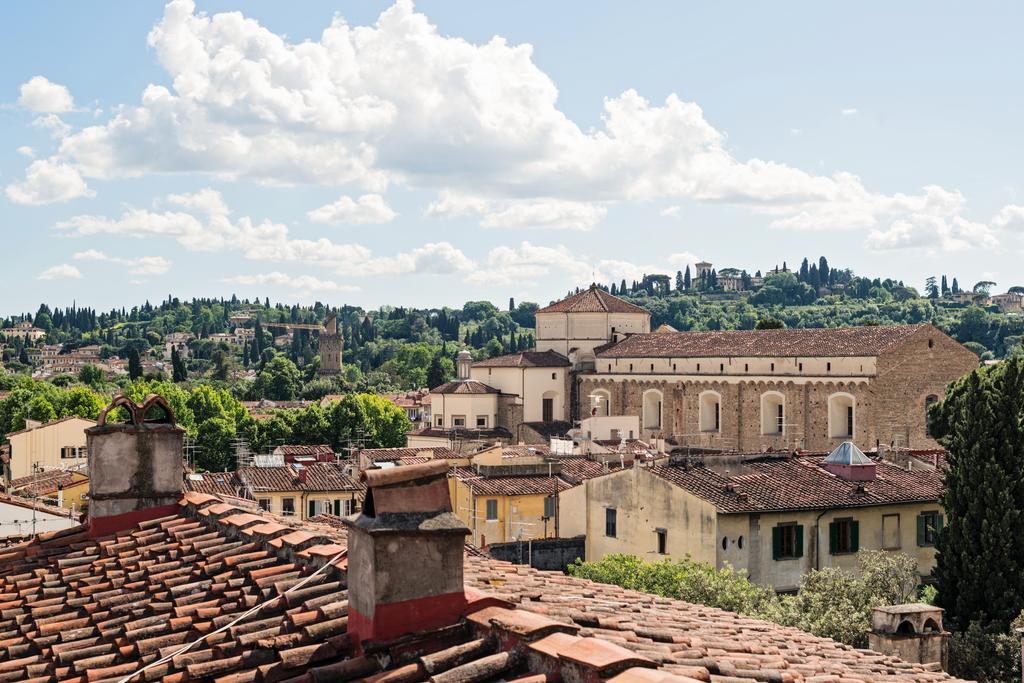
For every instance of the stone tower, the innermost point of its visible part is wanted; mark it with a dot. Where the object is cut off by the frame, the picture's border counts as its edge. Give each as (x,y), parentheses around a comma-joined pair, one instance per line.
(330,347)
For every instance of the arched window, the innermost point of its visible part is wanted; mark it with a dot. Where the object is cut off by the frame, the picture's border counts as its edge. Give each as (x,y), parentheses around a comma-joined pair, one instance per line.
(928,403)
(710,411)
(773,412)
(842,410)
(601,403)
(652,409)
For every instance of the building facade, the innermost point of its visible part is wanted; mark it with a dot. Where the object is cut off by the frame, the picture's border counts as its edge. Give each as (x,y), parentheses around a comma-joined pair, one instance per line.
(752,390)
(331,344)
(55,445)
(774,516)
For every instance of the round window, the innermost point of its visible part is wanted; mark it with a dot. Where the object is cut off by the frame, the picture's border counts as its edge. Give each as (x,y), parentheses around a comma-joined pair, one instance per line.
(739,542)
(725,542)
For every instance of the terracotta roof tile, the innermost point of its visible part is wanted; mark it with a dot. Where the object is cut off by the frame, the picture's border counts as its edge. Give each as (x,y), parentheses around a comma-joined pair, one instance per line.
(510,486)
(592,300)
(464,386)
(525,359)
(320,476)
(783,482)
(838,341)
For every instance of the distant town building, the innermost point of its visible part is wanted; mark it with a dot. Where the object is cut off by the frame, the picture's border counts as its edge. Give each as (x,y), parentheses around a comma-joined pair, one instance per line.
(1010,302)
(331,344)
(25,330)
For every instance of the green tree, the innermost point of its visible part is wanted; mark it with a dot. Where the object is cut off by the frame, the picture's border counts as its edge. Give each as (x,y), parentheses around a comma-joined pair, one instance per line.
(980,552)
(279,380)
(82,402)
(91,375)
(769,323)
(213,445)
(436,374)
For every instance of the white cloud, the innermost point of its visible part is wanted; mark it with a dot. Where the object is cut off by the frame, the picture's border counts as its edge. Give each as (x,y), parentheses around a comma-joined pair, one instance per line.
(527,262)
(369,208)
(1010,216)
(202,221)
(849,111)
(303,283)
(54,124)
(397,102)
(60,272)
(933,232)
(681,259)
(48,181)
(671,211)
(142,265)
(41,95)
(549,213)
(26,151)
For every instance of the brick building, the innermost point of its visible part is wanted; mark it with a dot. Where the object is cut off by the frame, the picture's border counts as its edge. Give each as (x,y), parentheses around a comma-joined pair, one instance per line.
(751,390)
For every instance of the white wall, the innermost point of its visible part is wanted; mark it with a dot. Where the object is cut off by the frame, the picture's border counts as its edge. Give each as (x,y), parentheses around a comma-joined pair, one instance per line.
(43,446)
(530,385)
(467,405)
(601,427)
(17,521)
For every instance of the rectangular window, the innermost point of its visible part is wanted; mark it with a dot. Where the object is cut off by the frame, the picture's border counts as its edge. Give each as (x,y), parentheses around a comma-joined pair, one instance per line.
(849,420)
(313,509)
(72,452)
(787,541)
(288,506)
(610,521)
(264,504)
(828,367)
(843,536)
(890,532)
(440,420)
(337,507)
(348,507)
(549,507)
(554,375)
(492,510)
(718,416)
(779,419)
(662,536)
(481,421)
(929,524)
(458,420)
(547,409)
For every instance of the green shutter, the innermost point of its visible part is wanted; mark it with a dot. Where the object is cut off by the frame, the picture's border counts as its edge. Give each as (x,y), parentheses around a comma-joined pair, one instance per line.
(922,531)
(776,542)
(799,540)
(833,538)
(854,536)
(312,508)
(938,524)
(337,508)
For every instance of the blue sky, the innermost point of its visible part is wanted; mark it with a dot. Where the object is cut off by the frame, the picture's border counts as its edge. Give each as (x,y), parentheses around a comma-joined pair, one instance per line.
(458,150)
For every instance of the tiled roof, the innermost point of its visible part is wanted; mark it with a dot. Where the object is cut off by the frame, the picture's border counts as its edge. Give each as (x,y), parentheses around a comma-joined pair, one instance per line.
(800,483)
(838,341)
(550,429)
(575,470)
(303,449)
(592,300)
(320,476)
(510,486)
(396,454)
(44,483)
(464,386)
(82,610)
(219,483)
(526,359)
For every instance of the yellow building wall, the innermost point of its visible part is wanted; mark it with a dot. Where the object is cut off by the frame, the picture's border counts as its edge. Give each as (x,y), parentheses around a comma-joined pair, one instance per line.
(519,517)
(301,501)
(43,445)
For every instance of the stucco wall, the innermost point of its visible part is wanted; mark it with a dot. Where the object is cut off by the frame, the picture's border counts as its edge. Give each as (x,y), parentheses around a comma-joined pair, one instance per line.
(43,445)
(466,405)
(531,385)
(19,521)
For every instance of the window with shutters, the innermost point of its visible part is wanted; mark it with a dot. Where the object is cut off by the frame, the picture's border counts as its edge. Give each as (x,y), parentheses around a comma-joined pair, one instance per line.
(287,506)
(549,507)
(843,536)
(264,503)
(492,510)
(787,541)
(929,524)
(610,522)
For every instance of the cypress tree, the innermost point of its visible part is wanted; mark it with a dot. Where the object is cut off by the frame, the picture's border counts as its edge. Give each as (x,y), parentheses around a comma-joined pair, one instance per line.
(686,278)
(134,364)
(980,550)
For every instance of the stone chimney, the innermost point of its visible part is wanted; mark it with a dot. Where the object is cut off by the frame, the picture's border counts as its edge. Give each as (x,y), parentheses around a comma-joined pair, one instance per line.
(463,362)
(135,467)
(405,553)
(911,632)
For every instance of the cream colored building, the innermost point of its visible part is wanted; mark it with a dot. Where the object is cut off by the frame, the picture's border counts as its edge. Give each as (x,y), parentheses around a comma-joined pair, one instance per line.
(25,330)
(773,515)
(55,445)
(575,326)
(538,379)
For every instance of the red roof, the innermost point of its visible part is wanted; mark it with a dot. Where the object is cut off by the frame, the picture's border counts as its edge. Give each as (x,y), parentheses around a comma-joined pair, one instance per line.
(396,454)
(593,300)
(77,609)
(303,449)
(783,482)
(526,359)
(44,483)
(510,486)
(464,386)
(320,476)
(837,341)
